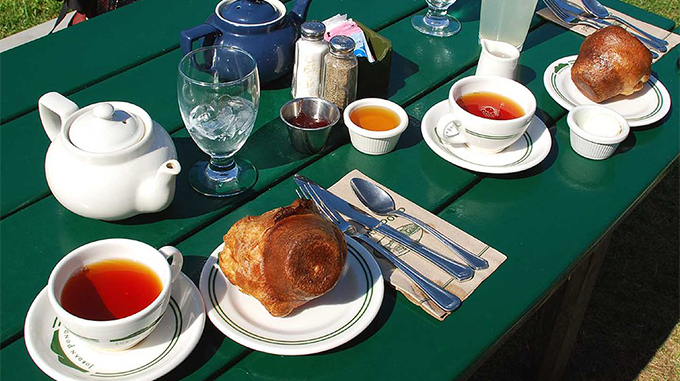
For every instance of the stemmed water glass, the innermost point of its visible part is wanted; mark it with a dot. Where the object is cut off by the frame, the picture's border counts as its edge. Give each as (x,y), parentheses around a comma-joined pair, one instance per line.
(218,91)
(436,22)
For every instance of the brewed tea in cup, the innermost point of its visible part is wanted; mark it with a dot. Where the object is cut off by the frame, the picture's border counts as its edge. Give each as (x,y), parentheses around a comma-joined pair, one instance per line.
(486,113)
(113,293)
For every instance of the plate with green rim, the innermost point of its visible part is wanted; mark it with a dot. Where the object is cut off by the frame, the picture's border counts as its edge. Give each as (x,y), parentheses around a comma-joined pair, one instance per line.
(641,108)
(319,325)
(528,151)
(63,356)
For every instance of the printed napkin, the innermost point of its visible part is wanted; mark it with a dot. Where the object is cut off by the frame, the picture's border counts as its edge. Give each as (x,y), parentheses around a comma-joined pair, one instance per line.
(585,30)
(395,276)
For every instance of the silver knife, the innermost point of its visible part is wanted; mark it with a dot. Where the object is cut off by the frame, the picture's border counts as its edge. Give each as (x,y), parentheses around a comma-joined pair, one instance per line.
(456,269)
(581,13)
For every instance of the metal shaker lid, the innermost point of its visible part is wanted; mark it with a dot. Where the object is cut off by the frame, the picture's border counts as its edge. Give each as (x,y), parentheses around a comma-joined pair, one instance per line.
(342,45)
(313,30)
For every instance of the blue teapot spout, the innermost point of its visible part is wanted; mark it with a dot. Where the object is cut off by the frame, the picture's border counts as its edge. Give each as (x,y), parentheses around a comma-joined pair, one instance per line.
(299,11)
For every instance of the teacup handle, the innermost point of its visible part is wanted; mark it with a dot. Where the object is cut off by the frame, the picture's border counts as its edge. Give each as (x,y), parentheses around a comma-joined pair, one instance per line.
(448,129)
(177,260)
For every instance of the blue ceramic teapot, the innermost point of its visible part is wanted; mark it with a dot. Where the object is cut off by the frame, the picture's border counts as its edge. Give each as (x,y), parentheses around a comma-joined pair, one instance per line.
(261,27)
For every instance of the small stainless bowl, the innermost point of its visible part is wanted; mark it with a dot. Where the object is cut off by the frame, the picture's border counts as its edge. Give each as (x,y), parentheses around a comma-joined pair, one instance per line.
(309,140)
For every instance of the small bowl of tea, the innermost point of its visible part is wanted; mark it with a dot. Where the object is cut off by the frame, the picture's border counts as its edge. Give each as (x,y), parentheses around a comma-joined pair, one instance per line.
(112,293)
(375,125)
(309,122)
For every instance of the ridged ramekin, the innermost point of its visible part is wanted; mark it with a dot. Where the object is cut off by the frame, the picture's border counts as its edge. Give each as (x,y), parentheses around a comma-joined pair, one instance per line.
(374,142)
(589,145)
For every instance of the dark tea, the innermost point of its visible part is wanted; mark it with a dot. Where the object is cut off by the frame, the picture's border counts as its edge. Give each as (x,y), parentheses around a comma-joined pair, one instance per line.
(110,289)
(490,106)
(374,118)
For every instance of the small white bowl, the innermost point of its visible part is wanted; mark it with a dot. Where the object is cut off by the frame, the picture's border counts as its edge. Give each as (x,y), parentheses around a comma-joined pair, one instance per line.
(589,126)
(374,142)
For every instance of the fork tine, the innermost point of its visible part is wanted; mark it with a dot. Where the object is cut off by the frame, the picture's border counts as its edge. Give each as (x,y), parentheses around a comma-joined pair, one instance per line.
(556,10)
(320,204)
(306,194)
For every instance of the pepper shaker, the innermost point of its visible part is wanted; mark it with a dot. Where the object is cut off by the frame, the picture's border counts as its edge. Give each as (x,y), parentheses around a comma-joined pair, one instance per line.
(340,72)
(310,50)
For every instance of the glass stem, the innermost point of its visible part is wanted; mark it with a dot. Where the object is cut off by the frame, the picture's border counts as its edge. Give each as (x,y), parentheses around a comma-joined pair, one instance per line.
(436,17)
(222,164)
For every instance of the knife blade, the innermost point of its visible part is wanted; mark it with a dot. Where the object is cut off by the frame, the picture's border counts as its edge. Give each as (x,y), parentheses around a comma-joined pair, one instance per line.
(456,269)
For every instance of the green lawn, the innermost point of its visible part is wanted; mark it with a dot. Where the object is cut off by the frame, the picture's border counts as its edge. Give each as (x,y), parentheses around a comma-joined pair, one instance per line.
(18,15)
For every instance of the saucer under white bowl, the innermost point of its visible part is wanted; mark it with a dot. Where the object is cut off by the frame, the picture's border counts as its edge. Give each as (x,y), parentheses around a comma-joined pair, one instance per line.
(528,151)
(63,356)
(642,108)
(322,324)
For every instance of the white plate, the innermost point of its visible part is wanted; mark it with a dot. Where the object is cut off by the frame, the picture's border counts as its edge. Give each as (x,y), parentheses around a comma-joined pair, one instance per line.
(322,324)
(640,109)
(523,154)
(63,356)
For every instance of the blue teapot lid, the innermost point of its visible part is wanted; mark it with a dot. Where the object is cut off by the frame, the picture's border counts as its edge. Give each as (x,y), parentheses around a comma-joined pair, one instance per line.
(248,11)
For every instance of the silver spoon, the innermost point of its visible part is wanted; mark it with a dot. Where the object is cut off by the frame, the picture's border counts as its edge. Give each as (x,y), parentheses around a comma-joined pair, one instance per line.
(380,202)
(597,9)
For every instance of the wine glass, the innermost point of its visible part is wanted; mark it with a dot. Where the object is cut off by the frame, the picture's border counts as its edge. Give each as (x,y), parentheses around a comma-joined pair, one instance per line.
(218,91)
(436,22)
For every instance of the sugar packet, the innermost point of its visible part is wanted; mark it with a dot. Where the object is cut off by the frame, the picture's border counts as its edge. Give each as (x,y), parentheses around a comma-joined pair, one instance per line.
(340,25)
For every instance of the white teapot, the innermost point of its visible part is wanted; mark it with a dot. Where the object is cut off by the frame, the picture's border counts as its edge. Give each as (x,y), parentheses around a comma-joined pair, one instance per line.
(109,160)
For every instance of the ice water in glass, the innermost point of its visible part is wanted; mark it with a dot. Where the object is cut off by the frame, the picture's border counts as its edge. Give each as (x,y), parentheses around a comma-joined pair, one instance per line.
(218,91)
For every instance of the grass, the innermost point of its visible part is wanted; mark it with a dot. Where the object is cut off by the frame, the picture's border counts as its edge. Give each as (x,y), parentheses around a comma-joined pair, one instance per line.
(18,15)
(631,329)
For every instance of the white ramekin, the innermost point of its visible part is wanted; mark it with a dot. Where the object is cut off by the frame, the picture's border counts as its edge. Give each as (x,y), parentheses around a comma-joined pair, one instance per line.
(374,142)
(589,145)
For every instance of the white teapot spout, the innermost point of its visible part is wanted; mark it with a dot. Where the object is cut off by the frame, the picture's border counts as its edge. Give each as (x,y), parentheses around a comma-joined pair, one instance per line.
(157,193)
(54,108)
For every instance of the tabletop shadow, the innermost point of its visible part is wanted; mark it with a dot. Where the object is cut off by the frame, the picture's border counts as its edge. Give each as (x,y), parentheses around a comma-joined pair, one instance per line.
(208,346)
(540,168)
(535,39)
(400,69)
(411,136)
(385,311)
(526,74)
(466,11)
(278,84)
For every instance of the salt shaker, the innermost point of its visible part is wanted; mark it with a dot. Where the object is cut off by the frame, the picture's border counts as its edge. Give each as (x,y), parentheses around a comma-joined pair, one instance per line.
(310,50)
(340,72)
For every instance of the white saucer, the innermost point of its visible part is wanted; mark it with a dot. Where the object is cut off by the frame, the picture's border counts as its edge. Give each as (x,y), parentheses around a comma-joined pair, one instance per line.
(523,154)
(640,109)
(322,324)
(63,356)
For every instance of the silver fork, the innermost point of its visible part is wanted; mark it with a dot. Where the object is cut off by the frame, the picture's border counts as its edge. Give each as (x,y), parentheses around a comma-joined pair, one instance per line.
(573,19)
(444,299)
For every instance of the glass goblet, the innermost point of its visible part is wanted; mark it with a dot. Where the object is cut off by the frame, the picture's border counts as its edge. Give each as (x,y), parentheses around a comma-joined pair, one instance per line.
(218,91)
(436,22)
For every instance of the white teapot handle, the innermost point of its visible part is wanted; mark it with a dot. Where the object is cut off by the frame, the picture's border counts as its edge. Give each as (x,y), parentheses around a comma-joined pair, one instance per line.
(54,108)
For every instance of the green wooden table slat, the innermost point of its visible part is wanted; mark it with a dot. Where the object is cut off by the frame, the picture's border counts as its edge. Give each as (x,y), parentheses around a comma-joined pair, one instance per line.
(182,218)
(150,85)
(84,54)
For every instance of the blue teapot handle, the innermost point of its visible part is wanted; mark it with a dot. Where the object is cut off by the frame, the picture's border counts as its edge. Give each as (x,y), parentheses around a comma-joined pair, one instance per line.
(187,37)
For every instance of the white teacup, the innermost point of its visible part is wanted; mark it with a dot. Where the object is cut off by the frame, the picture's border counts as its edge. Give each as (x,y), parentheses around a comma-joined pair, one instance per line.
(498,58)
(125,332)
(482,134)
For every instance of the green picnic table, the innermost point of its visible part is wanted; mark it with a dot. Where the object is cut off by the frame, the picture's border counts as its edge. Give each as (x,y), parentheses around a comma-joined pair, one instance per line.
(552,221)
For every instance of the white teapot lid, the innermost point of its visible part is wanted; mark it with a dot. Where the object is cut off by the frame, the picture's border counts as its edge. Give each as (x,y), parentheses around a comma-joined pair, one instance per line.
(106,129)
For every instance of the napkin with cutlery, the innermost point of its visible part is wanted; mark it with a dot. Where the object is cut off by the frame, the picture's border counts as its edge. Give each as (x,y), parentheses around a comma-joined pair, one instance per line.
(584,30)
(395,276)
